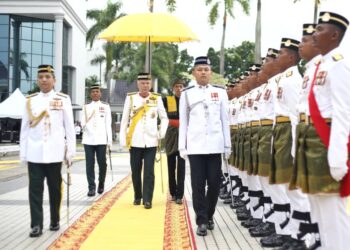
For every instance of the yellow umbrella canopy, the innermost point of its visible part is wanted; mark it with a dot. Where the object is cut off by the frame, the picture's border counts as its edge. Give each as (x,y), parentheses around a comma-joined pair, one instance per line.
(148,27)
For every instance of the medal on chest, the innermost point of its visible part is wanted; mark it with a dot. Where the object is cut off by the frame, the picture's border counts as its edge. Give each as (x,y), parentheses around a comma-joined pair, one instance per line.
(267,94)
(305,81)
(214,96)
(56,104)
(279,93)
(321,78)
(258,97)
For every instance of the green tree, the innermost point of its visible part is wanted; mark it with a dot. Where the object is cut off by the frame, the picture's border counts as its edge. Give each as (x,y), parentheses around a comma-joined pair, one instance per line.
(227,7)
(98,60)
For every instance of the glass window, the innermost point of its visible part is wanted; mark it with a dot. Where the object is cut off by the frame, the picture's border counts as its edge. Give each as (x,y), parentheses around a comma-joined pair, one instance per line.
(4,30)
(4,44)
(38,25)
(26,46)
(36,60)
(4,19)
(48,26)
(47,36)
(47,49)
(26,24)
(37,48)
(34,72)
(37,35)
(26,59)
(25,86)
(3,65)
(47,60)
(25,73)
(26,33)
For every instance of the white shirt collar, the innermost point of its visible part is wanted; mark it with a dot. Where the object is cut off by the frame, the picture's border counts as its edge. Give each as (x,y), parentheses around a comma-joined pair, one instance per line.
(48,94)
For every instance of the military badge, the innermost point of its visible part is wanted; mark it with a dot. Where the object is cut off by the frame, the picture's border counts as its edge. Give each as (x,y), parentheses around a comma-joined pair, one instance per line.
(250,102)
(101,109)
(56,104)
(214,96)
(279,93)
(321,78)
(305,80)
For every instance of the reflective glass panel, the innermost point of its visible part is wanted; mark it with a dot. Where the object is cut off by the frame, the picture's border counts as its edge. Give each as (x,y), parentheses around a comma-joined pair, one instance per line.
(37,48)
(26,33)
(36,60)
(4,44)
(48,26)
(47,49)
(26,46)
(4,19)
(37,35)
(4,30)
(47,36)
(38,25)
(47,60)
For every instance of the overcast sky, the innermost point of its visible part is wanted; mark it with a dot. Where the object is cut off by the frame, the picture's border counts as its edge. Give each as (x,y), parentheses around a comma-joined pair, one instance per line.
(280,18)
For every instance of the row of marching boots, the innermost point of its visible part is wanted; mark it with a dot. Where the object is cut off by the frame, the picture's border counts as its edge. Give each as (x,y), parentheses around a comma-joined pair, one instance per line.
(256,211)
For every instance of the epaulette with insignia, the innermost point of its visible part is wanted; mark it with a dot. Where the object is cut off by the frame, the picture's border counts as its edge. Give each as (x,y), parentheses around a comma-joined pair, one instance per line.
(219,86)
(132,93)
(154,93)
(61,94)
(289,73)
(189,87)
(337,57)
(34,94)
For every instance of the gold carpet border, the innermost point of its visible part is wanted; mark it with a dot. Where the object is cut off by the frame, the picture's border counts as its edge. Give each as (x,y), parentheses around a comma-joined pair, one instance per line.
(79,231)
(178,232)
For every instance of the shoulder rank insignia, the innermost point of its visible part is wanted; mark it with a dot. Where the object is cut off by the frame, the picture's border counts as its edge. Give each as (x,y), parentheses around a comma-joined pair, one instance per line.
(337,57)
(189,87)
(34,94)
(218,86)
(154,93)
(132,93)
(61,94)
(289,73)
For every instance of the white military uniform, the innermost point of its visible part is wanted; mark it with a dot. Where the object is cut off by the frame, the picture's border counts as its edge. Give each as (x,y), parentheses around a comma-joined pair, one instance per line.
(53,138)
(97,124)
(332,93)
(204,127)
(146,133)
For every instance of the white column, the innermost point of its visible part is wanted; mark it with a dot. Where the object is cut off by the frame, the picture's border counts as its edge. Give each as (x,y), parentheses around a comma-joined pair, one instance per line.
(58,50)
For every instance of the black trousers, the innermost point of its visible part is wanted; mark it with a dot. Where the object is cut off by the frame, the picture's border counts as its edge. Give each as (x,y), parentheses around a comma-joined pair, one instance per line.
(176,175)
(147,156)
(37,173)
(205,172)
(100,151)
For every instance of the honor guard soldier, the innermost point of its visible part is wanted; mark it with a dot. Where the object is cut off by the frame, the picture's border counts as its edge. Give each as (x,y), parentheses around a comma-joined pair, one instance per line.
(176,164)
(140,134)
(97,135)
(47,139)
(322,166)
(203,136)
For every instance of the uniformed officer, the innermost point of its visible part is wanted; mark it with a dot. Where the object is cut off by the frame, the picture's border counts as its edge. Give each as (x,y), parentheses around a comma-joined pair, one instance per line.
(47,139)
(97,134)
(322,169)
(139,132)
(176,164)
(203,136)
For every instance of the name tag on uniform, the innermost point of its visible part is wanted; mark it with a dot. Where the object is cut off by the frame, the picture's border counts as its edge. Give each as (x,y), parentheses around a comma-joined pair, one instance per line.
(56,104)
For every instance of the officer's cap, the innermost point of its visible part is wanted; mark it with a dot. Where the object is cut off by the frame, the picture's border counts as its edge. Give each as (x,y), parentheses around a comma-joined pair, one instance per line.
(46,68)
(272,53)
(333,18)
(202,60)
(263,59)
(231,84)
(246,73)
(144,76)
(309,29)
(255,67)
(289,43)
(94,86)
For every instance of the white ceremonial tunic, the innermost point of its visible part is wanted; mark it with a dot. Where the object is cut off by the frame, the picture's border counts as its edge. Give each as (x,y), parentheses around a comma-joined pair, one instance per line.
(265,102)
(232,108)
(97,124)
(204,123)
(47,141)
(146,133)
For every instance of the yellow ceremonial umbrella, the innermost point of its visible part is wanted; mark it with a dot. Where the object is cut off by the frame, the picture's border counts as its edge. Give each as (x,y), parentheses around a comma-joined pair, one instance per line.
(148,28)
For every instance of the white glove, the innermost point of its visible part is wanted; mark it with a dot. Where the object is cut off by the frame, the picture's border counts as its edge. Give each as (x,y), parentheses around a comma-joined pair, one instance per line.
(159,136)
(227,153)
(69,161)
(183,154)
(338,173)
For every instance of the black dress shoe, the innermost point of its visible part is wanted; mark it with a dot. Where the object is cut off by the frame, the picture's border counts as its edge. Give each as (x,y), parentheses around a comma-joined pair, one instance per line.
(211,224)
(202,230)
(148,205)
(274,240)
(137,202)
(101,188)
(251,222)
(54,226)
(178,201)
(266,229)
(294,244)
(91,193)
(36,232)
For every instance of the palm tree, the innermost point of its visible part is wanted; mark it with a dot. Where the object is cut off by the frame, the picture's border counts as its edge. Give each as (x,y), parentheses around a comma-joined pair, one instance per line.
(316,4)
(102,19)
(99,59)
(227,11)
(258,33)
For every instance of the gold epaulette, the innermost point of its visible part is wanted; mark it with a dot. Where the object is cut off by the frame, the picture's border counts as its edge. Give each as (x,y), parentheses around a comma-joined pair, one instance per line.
(61,94)
(189,87)
(132,93)
(337,57)
(154,93)
(219,86)
(289,73)
(34,94)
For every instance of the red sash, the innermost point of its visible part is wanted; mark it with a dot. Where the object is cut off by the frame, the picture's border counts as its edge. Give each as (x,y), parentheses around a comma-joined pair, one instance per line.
(324,132)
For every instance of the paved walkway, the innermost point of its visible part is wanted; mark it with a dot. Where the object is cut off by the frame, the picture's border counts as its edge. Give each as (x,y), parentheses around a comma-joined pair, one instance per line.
(14,209)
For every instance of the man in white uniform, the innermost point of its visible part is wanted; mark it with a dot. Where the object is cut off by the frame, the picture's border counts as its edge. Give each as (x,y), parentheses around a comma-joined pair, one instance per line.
(47,139)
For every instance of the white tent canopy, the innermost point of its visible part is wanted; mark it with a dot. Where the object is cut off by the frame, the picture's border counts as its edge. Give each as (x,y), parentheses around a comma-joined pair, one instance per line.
(13,106)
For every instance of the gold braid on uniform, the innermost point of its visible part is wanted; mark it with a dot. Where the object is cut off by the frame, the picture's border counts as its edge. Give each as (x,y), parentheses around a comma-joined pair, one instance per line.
(34,120)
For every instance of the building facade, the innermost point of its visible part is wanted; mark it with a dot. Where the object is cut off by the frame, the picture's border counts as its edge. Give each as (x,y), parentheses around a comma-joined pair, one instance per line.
(43,32)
